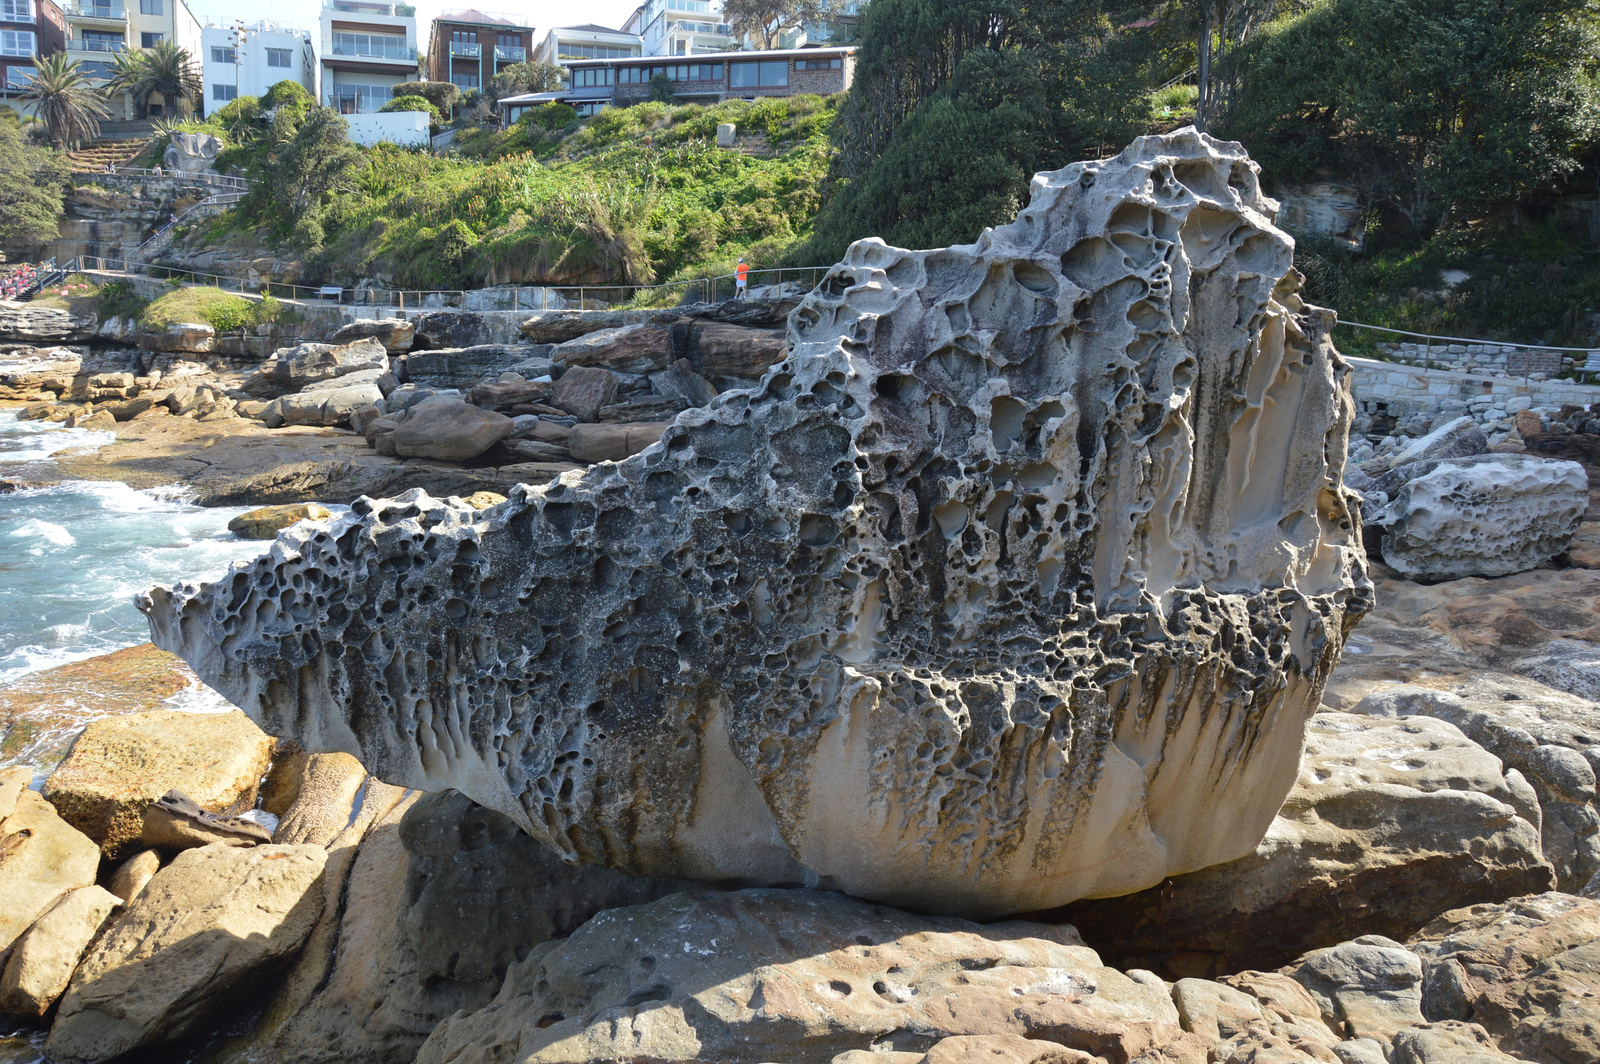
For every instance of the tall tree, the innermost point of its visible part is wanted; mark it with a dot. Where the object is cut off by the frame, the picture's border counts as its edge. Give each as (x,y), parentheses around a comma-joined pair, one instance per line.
(170,72)
(765,22)
(516,79)
(31,183)
(65,101)
(1432,107)
(307,159)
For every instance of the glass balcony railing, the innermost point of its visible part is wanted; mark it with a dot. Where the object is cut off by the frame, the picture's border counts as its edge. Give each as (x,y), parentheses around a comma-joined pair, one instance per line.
(510,55)
(373,51)
(365,7)
(96,46)
(108,12)
(721,29)
(466,49)
(15,82)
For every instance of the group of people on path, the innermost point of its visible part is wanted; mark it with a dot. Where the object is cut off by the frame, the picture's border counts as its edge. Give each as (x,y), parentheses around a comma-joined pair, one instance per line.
(20,280)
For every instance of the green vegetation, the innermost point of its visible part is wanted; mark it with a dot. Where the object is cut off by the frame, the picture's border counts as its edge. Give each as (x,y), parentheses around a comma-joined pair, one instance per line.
(412,103)
(631,196)
(442,94)
(164,70)
(65,101)
(32,181)
(211,306)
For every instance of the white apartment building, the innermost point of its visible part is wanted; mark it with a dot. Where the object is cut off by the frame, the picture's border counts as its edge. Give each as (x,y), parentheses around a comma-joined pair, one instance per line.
(681,27)
(368,47)
(240,58)
(96,29)
(565,43)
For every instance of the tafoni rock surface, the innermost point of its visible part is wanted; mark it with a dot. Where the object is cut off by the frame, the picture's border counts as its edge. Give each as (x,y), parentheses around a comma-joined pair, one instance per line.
(1015,583)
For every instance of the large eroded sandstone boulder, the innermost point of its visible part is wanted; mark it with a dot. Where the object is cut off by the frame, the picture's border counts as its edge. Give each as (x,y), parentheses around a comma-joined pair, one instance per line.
(42,859)
(969,605)
(120,766)
(44,958)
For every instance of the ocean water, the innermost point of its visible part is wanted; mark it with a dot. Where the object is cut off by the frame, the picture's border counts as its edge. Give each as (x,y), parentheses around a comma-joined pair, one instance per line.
(74,555)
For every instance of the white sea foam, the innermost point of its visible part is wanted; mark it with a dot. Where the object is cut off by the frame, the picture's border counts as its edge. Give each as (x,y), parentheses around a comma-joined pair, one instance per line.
(44,530)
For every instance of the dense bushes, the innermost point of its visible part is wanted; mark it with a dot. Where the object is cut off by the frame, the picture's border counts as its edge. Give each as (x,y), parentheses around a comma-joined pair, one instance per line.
(210,306)
(411,103)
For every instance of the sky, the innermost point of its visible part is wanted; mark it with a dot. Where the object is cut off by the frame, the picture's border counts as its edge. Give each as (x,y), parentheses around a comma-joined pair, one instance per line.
(541,14)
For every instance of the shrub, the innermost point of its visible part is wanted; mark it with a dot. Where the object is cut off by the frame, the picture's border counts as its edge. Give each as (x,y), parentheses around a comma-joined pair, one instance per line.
(442,94)
(552,116)
(118,299)
(411,103)
(211,306)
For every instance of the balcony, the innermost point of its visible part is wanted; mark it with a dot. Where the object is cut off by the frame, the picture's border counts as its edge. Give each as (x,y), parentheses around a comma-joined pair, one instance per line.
(510,55)
(364,7)
(720,29)
(76,45)
(466,49)
(15,81)
(80,11)
(392,52)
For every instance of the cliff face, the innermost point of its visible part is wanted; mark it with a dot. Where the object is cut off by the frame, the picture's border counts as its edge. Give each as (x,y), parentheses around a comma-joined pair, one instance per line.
(1015,583)
(110,216)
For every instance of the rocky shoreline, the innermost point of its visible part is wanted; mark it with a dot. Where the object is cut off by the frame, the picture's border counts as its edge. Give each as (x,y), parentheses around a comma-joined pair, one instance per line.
(951,678)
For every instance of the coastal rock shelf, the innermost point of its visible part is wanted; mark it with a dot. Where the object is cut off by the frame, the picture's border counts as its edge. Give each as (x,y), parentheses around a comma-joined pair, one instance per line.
(1015,583)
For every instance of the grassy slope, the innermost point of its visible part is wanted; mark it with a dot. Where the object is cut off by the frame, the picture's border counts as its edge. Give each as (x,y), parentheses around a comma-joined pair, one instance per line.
(640,192)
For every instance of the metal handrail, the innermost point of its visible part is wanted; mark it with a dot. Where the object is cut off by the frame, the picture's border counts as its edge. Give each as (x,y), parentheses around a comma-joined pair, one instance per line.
(239,183)
(1580,371)
(220,199)
(421,300)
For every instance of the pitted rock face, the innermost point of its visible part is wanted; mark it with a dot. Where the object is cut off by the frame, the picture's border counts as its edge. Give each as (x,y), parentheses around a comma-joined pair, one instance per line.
(1015,583)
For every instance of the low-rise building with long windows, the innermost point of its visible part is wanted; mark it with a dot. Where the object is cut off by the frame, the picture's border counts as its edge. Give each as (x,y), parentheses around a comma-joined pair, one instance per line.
(241,58)
(368,47)
(595,84)
(566,45)
(470,47)
(29,31)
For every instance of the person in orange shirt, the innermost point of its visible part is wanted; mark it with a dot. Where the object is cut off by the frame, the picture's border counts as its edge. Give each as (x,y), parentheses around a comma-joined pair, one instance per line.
(741,276)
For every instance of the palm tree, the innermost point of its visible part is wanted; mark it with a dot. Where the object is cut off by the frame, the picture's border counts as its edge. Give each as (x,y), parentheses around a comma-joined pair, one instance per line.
(65,101)
(127,69)
(169,71)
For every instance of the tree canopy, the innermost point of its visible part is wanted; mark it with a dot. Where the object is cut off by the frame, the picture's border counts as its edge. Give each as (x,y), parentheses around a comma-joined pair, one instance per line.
(65,101)
(31,182)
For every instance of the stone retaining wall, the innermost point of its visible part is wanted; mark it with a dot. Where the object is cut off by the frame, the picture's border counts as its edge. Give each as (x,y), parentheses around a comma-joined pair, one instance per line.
(1401,390)
(1480,358)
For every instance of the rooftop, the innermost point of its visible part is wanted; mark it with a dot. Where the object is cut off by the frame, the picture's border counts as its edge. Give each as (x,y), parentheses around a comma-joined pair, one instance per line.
(590,27)
(484,18)
(721,57)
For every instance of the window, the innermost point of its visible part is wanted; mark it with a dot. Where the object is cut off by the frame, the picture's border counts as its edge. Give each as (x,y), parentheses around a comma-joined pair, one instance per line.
(688,71)
(150,40)
(591,77)
(223,55)
(354,98)
(99,41)
(16,10)
(464,37)
(95,71)
(378,45)
(151,7)
(588,110)
(594,51)
(17,78)
(464,81)
(819,64)
(224,92)
(508,40)
(279,57)
(764,75)
(16,42)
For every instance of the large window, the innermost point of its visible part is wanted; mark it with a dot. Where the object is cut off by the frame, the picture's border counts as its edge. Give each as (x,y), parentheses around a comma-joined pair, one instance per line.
(16,42)
(591,77)
(464,81)
(224,92)
(279,57)
(152,7)
(99,41)
(150,40)
(223,55)
(18,78)
(377,45)
(355,98)
(594,51)
(819,64)
(16,10)
(766,74)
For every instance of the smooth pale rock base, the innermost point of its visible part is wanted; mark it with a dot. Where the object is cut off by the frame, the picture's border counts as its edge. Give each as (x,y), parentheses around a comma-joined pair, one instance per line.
(43,959)
(42,859)
(120,766)
(195,941)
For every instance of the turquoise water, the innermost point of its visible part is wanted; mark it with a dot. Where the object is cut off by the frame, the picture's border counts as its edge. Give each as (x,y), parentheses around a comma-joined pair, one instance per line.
(74,555)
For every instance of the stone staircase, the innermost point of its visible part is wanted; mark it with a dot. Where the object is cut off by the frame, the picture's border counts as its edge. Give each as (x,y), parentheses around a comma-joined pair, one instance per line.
(98,154)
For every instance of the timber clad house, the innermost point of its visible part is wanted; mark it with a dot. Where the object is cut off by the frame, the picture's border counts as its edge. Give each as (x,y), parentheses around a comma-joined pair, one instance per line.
(707,78)
(468,48)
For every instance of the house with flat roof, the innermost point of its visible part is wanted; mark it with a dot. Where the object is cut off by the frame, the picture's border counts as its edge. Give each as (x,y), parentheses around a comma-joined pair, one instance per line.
(567,44)
(29,31)
(468,48)
(239,58)
(681,27)
(368,47)
(598,83)
(98,29)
